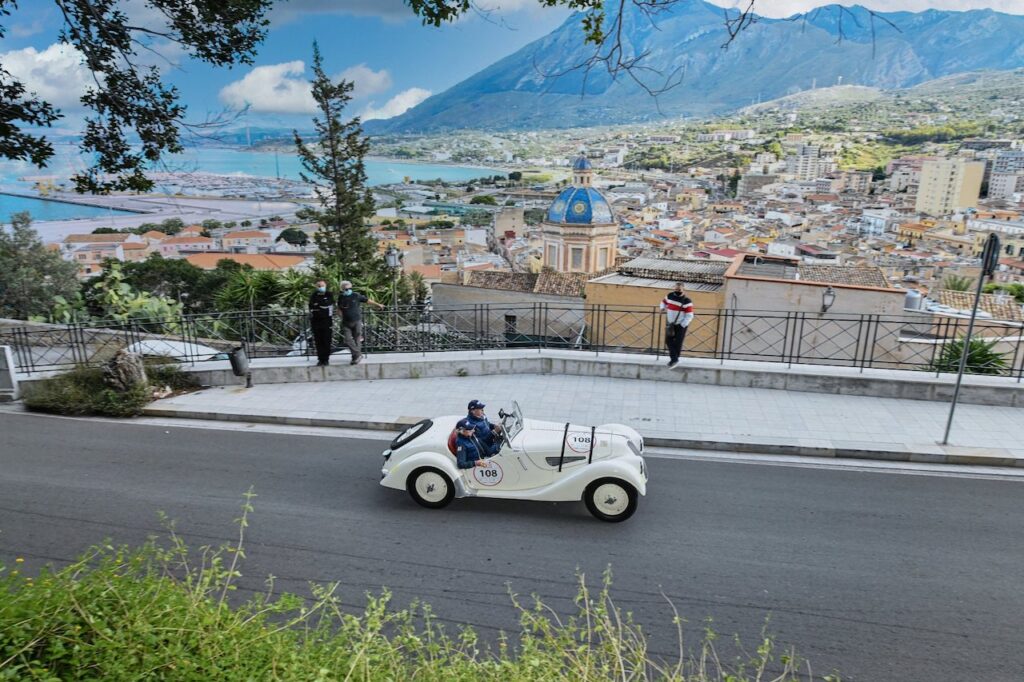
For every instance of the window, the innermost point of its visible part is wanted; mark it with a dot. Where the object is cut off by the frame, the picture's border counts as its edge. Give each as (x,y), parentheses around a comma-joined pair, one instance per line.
(577,258)
(602,260)
(552,258)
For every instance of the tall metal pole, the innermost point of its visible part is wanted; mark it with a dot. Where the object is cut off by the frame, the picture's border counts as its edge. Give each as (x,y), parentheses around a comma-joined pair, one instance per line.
(989,260)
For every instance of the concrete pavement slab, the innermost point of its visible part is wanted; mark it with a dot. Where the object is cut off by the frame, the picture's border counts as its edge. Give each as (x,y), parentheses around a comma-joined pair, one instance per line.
(671,414)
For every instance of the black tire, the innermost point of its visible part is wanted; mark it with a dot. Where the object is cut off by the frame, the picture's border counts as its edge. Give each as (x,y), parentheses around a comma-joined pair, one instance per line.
(594,505)
(423,501)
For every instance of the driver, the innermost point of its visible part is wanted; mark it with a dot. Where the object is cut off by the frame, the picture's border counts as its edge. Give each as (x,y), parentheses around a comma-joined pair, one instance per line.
(488,433)
(469,451)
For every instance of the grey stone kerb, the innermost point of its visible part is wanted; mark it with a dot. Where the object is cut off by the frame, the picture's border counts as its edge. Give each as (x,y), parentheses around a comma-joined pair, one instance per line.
(8,379)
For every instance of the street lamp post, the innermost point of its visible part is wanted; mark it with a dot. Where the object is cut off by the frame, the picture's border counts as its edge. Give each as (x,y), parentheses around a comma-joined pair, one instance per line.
(989,262)
(393,257)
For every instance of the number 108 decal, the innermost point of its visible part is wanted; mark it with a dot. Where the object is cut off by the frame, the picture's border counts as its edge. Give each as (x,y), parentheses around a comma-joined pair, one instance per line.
(488,475)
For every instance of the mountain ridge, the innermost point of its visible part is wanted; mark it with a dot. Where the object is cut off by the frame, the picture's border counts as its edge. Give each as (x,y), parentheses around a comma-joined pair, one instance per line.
(772,58)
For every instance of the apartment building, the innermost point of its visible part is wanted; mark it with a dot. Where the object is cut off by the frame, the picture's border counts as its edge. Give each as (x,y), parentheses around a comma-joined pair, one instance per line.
(949,185)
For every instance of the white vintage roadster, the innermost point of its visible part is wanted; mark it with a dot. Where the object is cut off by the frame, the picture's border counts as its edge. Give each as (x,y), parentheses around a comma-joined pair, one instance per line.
(538,460)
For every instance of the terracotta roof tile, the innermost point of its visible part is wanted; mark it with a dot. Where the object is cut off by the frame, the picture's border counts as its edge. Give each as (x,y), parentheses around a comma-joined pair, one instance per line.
(502,281)
(109,238)
(259,261)
(999,307)
(856,275)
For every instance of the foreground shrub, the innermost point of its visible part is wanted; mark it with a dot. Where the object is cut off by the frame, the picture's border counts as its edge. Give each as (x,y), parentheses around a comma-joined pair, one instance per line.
(168,374)
(82,391)
(162,612)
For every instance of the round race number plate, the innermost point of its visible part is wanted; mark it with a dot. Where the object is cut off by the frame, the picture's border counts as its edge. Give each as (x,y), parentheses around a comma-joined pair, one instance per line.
(578,442)
(488,475)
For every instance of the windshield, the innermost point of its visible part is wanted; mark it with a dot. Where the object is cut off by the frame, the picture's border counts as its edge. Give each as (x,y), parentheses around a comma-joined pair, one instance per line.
(512,422)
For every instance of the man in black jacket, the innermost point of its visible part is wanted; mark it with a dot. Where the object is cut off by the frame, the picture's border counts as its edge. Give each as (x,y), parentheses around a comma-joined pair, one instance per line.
(321,320)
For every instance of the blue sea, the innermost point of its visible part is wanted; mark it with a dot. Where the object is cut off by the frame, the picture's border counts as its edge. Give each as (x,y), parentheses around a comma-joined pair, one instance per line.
(17,177)
(44,209)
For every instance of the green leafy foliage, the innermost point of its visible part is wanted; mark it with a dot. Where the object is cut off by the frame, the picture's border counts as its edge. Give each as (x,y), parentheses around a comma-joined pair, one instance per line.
(957,283)
(982,358)
(83,392)
(477,219)
(957,130)
(166,373)
(164,611)
(135,117)
(484,199)
(1015,289)
(293,235)
(112,298)
(31,276)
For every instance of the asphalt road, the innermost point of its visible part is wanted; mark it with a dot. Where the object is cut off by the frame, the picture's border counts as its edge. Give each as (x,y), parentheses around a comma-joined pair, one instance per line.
(878,575)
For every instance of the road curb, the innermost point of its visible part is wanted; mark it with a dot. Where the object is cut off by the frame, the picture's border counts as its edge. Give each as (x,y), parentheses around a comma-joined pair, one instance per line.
(936,454)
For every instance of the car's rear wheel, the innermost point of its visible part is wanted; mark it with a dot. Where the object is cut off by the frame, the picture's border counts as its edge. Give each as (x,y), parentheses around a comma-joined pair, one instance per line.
(611,499)
(431,488)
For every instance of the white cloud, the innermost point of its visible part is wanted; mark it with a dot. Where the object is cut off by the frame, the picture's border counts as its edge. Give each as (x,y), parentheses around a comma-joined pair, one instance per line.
(284,88)
(56,74)
(277,88)
(26,30)
(398,104)
(785,8)
(367,81)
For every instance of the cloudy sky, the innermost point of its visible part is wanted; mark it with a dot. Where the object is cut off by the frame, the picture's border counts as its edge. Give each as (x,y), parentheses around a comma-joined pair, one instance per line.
(393,60)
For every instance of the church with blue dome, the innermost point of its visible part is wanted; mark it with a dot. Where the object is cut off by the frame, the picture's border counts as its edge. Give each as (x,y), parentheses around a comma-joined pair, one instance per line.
(580,233)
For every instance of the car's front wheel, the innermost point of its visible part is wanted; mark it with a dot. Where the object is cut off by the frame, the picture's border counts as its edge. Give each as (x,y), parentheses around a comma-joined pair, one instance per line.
(431,488)
(611,499)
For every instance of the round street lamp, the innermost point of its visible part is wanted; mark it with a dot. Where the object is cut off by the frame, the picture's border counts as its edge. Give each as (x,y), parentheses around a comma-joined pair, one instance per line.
(828,298)
(393,257)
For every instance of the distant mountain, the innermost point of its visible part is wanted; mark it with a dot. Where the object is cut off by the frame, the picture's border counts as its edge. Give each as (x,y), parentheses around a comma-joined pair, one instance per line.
(772,58)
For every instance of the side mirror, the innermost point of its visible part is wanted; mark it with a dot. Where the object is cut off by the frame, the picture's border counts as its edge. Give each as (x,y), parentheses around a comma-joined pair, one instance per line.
(501,414)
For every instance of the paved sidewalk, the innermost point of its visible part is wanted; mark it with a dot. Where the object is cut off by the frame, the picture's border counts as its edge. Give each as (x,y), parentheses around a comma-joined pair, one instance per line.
(671,414)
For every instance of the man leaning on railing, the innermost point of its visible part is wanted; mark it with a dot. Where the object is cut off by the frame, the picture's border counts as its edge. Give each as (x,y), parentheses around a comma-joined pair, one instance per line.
(678,314)
(350,307)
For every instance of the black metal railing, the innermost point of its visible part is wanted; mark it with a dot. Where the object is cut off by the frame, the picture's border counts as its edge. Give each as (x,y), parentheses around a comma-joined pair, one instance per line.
(910,341)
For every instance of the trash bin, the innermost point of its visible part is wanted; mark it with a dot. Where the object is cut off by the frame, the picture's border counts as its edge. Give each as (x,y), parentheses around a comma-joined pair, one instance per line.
(239,361)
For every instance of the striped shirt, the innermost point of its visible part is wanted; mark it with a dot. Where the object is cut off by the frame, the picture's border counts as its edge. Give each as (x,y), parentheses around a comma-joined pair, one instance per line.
(678,309)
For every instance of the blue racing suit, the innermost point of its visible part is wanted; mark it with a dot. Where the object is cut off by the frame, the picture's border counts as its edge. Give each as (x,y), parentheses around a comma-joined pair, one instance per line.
(468,451)
(486,435)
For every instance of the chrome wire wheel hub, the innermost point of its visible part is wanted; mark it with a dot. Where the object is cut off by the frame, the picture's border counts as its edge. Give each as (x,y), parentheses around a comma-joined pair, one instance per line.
(431,486)
(611,499)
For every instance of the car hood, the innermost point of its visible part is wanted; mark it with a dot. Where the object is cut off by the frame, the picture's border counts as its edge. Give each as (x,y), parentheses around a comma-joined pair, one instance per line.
(545,439)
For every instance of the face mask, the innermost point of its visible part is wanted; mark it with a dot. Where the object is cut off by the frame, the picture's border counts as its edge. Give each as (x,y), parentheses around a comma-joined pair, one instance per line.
(321,289)
(347,292)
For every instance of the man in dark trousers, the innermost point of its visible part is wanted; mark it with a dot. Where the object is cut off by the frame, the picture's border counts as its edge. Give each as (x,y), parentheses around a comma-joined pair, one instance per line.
(321,320)
(678,315)
(350,305)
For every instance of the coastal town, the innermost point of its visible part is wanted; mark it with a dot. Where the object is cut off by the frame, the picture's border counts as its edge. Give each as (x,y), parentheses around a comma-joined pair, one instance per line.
(572,226)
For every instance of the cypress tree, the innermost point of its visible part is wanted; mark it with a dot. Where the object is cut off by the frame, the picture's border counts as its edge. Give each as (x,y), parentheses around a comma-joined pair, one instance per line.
(334,166)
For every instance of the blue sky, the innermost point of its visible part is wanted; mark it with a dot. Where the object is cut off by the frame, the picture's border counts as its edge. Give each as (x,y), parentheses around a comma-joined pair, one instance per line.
(394,61)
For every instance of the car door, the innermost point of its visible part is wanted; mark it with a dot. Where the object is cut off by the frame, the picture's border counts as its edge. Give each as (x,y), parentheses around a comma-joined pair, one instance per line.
(511,469)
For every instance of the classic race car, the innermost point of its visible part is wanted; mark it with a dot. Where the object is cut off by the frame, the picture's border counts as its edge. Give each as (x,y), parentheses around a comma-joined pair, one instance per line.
(538,460)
